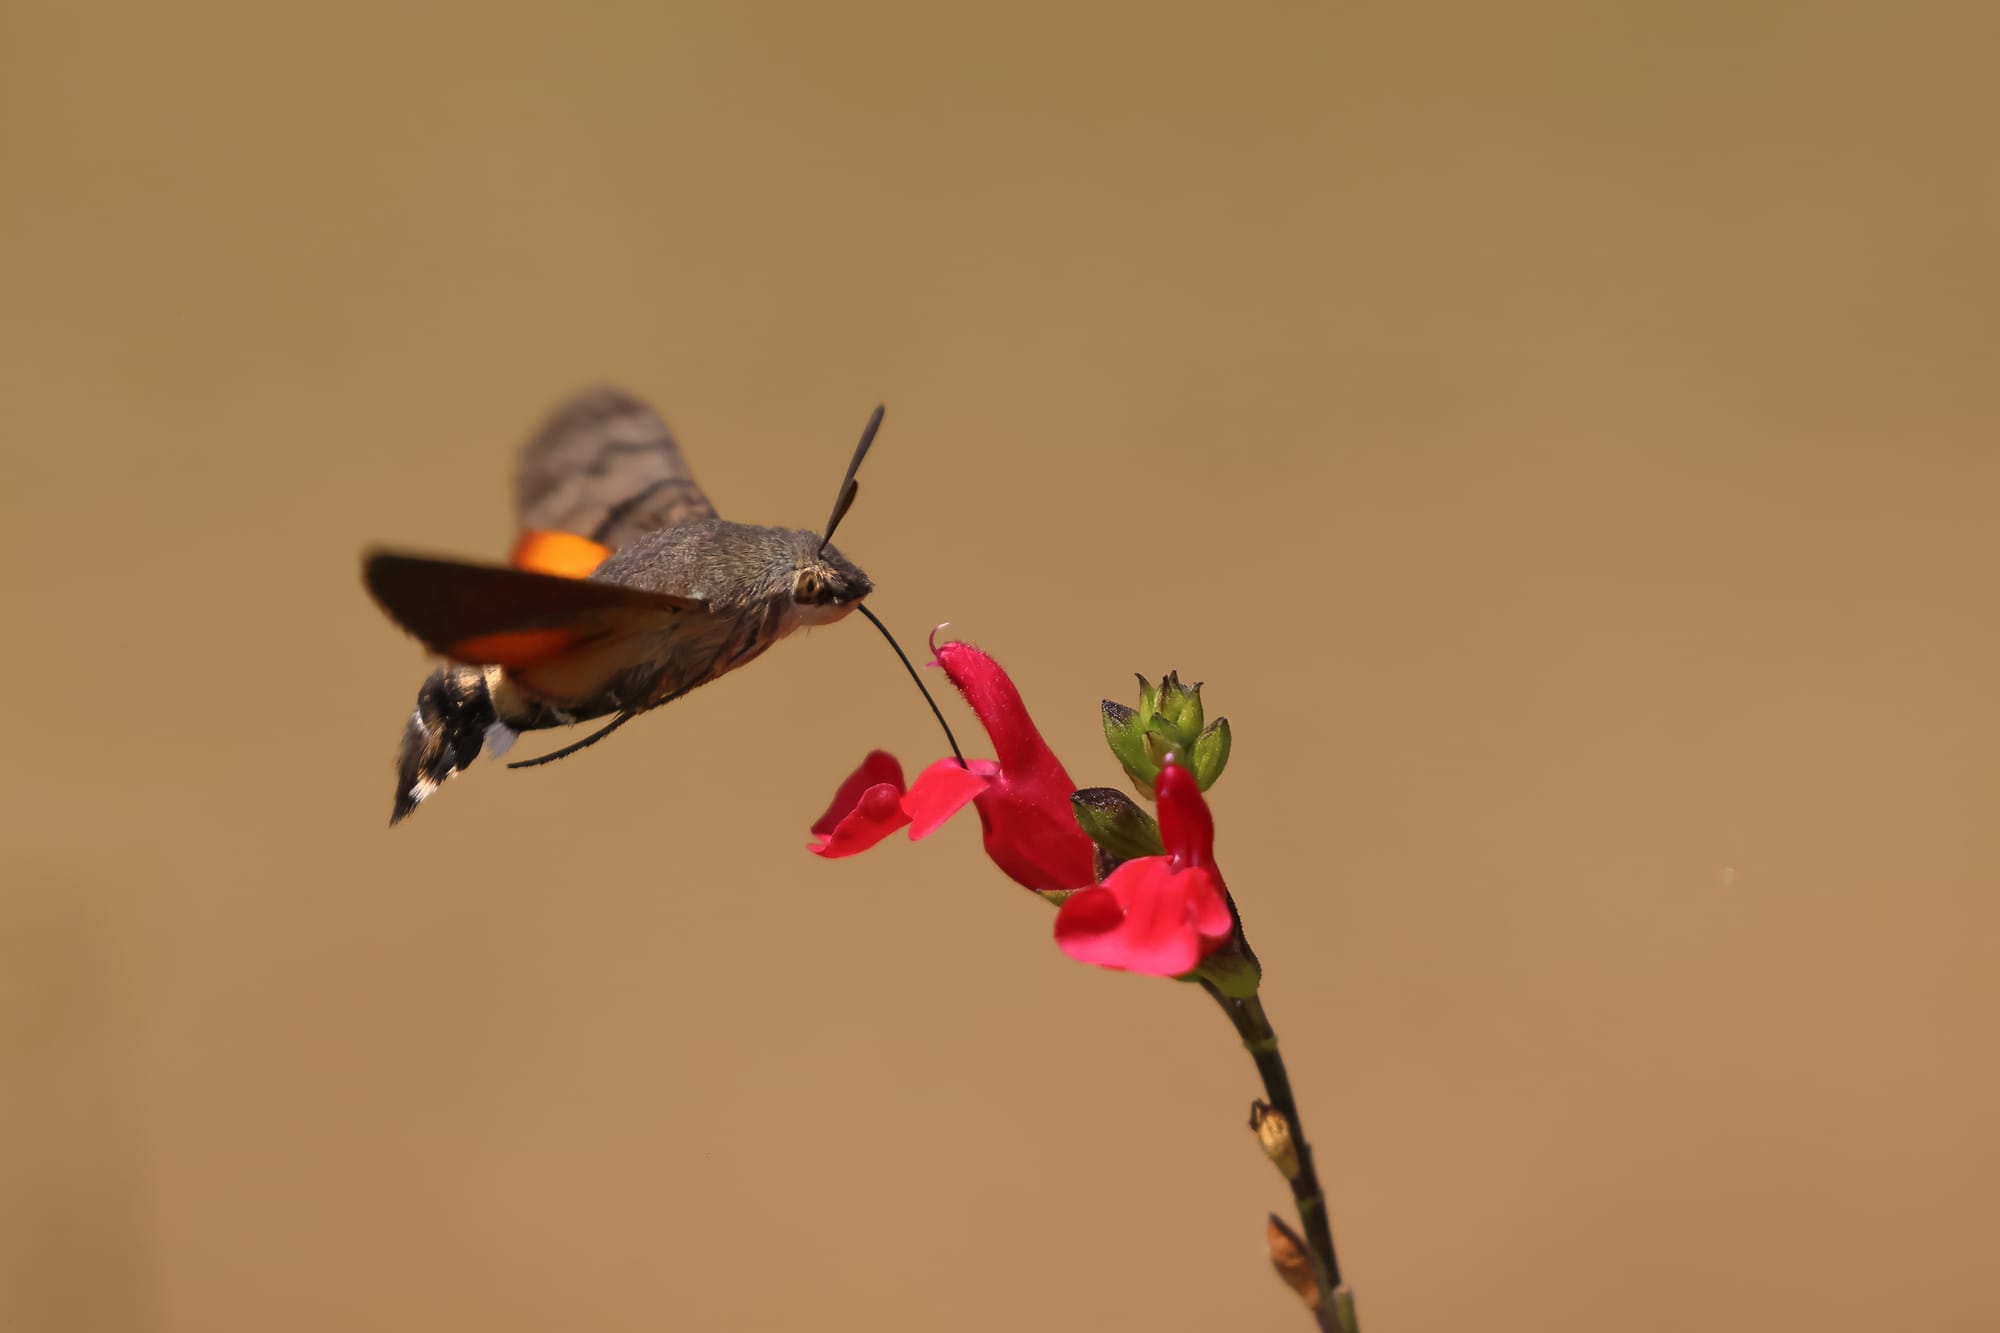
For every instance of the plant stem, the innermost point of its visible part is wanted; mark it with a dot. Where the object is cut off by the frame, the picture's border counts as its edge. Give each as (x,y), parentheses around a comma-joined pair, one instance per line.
(1336,1310)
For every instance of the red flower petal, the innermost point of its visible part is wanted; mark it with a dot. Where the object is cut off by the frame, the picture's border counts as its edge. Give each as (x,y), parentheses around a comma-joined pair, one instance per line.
(942,790)
(1024,756)
(1029,830)
(1149,917)
(1086,915)
(880,766)
(1212,919)
(867,808)
(1187,830)
(1035,839)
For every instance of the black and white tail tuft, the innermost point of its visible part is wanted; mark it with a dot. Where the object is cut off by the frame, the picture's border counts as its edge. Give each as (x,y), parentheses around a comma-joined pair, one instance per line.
(454,718)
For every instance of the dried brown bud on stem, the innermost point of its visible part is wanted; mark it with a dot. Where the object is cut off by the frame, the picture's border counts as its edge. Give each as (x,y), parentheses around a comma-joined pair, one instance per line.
(1288,1256)
(1274,1132)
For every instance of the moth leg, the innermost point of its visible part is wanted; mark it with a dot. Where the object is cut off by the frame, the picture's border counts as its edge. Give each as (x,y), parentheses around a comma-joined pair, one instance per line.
(590,740)
(707,673)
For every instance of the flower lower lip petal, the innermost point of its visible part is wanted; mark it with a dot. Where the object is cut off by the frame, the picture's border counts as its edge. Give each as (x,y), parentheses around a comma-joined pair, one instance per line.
(1150,916)
(878,768)
(875,816)
(867,808)
(940,792)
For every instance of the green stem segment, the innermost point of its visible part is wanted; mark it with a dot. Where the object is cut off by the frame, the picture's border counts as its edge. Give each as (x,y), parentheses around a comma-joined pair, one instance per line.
(1336,1307)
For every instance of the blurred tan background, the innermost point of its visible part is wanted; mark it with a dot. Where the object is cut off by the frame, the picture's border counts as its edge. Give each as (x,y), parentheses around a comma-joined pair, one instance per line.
(1563,437)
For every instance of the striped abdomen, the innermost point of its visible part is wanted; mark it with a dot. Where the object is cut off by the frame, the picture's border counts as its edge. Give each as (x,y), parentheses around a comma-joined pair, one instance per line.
(455,718)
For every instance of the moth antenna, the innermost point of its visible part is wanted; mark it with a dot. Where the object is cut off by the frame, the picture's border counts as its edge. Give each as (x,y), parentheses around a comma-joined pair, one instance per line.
(849,488)
(936,712)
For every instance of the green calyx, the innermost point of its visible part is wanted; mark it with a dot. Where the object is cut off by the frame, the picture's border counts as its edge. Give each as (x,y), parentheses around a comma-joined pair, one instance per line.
(1126,734)
(1168,723)
(1234,971)
(1211,753)
(1116,823)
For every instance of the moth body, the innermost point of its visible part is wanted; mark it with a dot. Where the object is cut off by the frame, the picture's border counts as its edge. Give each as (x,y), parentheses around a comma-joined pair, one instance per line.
(684,596)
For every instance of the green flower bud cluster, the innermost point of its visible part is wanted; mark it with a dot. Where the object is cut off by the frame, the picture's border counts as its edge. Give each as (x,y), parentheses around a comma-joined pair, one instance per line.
(1168,721)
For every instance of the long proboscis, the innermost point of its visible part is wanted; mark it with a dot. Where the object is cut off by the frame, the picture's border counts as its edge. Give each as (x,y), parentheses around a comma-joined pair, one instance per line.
(908,666)
(849,487)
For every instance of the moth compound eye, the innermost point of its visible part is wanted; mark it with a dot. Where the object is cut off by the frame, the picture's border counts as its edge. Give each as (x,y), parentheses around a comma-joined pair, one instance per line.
(806,589)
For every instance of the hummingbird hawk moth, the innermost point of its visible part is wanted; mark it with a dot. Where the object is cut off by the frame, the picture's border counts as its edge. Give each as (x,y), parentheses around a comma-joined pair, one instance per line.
(626,591)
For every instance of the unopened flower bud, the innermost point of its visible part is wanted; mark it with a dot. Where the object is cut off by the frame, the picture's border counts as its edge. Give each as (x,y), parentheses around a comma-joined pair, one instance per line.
(1211,753)
(1125,731)
(1289,1257)
(1180,706)
(1115,823)
(1274,1132)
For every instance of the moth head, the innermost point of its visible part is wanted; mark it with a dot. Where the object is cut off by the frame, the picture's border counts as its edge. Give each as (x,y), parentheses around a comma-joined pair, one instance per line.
(826,585)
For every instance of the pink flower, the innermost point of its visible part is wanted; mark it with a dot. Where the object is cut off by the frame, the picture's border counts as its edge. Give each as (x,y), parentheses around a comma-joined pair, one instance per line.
(1022,799)
(1160,915)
